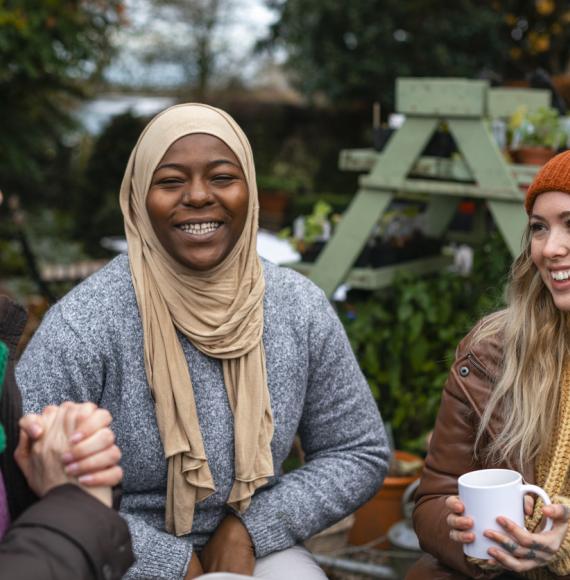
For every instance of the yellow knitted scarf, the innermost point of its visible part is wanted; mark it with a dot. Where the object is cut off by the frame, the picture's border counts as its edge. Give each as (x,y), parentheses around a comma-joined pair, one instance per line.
(551,473)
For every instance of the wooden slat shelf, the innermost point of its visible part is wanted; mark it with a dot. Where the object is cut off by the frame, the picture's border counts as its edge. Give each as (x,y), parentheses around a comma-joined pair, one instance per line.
(376,278)
(478,170)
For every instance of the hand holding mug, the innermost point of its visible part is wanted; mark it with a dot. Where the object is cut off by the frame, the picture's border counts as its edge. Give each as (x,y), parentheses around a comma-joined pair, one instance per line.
(520,550)
(461,526)
(493,500)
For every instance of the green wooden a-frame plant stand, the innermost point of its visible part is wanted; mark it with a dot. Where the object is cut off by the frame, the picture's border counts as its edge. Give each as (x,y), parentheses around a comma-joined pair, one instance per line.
(399,170)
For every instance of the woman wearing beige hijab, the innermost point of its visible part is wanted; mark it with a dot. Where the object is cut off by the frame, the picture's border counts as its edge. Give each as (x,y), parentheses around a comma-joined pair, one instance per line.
(211,360)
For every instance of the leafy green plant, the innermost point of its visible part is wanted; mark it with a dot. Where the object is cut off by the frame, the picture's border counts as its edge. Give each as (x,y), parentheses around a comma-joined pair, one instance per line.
(539,128)
(314,226)
(405,337)
(50,51)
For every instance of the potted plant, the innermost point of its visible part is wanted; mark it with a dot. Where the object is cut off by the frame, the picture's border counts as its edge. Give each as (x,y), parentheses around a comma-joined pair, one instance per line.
(290,175)
(398,236)
(536,135)
(379,514)
(404,338)
(310,233)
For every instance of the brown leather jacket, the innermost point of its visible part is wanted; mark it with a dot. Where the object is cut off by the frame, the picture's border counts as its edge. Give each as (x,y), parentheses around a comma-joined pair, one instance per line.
(451,451)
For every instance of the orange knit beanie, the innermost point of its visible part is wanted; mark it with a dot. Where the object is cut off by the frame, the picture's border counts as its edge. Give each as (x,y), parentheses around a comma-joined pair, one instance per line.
(554,176)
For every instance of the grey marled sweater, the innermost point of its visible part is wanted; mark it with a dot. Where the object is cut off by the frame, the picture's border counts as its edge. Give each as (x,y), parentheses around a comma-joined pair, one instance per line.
(90,347)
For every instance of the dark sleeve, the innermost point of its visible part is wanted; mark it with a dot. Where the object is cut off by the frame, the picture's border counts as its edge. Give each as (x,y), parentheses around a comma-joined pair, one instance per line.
(450,455)
(20,496)
(67,535)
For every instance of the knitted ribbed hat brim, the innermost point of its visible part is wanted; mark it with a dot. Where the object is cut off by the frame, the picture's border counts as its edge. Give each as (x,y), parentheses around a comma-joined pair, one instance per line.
(553,176)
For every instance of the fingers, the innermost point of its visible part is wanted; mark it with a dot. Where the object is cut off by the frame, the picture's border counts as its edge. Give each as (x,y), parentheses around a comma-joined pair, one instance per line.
(455,504)
(90,424)
(511,562)
(462,537)
(557,512)
(519,550)
(22,451)
(523,537)
(108,456)
(528,505)
(32,425)
(100,441)
(49,415)
(80,413)
(106,477)
(461,523)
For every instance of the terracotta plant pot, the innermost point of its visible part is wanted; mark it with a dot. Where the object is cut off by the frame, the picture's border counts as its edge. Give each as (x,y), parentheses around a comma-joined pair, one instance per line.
(273,207)
(533,155)
(375,517)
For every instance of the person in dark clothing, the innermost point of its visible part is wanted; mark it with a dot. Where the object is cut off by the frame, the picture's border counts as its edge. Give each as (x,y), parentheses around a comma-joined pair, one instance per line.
(60,528)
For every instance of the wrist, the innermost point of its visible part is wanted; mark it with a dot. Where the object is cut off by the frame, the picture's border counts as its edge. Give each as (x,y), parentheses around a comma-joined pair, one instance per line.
(237,532)
(104,494)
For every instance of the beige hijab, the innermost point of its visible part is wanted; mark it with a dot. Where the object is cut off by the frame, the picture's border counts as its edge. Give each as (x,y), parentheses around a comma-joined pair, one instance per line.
(220,311)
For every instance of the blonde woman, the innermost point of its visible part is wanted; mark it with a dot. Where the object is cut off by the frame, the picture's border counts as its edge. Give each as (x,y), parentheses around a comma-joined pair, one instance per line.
(507,404)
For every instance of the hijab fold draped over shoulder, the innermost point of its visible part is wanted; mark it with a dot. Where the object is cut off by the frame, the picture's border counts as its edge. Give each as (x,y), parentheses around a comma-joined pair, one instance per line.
(220,311)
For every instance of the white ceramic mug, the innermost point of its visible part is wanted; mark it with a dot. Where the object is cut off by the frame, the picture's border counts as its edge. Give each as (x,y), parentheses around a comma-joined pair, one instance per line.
(488,494)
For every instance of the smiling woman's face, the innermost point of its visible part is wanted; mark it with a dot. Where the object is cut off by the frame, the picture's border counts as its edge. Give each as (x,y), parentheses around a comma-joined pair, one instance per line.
(198,200)
(550,244)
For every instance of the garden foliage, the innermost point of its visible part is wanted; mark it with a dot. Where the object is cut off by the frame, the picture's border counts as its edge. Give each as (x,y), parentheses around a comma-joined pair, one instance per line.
(405,337)
(355,50)
(48,50)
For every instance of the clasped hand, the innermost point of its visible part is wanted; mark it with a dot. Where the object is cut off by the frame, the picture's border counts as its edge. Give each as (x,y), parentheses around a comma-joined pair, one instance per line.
(72,443)
(229,549)
(517,549)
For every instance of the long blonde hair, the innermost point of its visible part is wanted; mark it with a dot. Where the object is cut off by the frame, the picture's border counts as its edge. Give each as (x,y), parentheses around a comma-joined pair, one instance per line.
(535,337)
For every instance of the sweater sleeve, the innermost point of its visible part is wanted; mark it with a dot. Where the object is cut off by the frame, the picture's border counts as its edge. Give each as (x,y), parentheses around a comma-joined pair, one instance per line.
(342,435)
(59,364)
(159,555)
(66,535)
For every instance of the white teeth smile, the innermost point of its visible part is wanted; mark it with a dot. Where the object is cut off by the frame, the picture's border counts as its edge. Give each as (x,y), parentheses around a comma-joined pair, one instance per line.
(200,229)
(562,275)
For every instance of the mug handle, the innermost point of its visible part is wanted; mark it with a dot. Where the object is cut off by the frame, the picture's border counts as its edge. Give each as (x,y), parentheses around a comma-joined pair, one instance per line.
(528,488)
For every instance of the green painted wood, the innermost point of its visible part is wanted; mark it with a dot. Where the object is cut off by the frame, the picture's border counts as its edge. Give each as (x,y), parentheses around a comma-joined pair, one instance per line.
(481,171)
(439,214)
(524,174)
(503,102)
(350,236)
(511,219)
(403,150)
(437,97)
(376,278)
(480,151)
(442,168)
(453,169)
(448,188)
